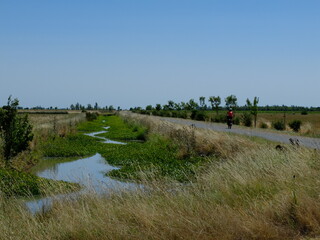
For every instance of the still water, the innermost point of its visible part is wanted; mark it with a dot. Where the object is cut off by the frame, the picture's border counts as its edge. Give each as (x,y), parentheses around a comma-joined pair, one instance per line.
(89,172)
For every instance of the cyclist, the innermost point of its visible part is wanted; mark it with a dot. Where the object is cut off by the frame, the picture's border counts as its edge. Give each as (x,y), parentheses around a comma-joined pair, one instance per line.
(230,116)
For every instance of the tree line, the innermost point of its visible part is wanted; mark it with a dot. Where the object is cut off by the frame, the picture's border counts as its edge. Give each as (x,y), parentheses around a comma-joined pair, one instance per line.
(215,103)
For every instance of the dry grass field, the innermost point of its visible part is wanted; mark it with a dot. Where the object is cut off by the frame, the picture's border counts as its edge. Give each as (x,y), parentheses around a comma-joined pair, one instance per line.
(310,123)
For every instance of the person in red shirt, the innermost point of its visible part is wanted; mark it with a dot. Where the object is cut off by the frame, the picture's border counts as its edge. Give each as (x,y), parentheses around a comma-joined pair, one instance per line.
(229,118)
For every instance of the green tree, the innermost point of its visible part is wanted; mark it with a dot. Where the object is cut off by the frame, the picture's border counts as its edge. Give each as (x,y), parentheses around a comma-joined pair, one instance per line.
(149,107)
(96,106)
(89,107)
(253,106)
(202,101)
(215,102)
(191,105)
(72,107)
(231,101)
(158,107)
(177,106)
(170,105)
(15,131)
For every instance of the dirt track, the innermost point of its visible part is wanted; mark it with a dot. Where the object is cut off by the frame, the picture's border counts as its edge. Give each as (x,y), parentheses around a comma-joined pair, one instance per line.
(270,135)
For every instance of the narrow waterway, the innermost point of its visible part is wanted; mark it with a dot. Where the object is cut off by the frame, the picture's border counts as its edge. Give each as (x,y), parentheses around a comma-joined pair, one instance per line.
(89,172)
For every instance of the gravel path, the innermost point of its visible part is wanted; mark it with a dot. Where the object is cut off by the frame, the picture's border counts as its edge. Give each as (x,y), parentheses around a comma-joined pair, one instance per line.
(273,136)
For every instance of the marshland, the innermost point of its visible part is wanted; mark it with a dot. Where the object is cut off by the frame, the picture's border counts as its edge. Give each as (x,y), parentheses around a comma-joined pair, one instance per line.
(164,181)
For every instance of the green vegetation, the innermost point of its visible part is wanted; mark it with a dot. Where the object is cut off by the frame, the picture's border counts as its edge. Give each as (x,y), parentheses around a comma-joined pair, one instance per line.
(246,119)
(156,155)
(278,125)
(14,183)
(263,125)
(15,131)
(17,156)
(295,125)
(253,106)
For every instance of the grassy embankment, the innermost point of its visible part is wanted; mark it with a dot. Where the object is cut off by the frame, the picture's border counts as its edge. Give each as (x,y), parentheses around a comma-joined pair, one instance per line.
(246,190)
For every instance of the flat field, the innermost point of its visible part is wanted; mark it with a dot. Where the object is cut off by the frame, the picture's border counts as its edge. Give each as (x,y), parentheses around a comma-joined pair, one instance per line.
(310,122)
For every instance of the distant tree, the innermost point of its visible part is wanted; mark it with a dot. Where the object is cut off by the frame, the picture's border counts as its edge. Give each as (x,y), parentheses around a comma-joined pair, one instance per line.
(202,101)
(77,106)
(89,107)
(253,106)
(72,107)
(183,105)
(96,106)
(170,105)
(149,107)
(177,106)
(215,102)
(15,131)
(191,105)
(111,108)
(158,107)
(231,101)
(165,107)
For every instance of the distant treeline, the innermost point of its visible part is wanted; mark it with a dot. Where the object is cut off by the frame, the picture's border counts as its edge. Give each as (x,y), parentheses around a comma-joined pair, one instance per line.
(214,103)
(76,106)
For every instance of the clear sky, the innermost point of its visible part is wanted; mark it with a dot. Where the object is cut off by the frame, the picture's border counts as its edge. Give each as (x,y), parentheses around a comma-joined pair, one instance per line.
(137,52)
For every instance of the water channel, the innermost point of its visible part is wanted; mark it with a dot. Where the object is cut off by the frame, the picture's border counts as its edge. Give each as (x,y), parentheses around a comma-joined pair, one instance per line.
(89,172)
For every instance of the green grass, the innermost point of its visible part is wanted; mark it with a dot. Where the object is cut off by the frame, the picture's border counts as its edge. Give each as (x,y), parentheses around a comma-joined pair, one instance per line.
(155,157)
(75,145)
(124,131)
(14,183)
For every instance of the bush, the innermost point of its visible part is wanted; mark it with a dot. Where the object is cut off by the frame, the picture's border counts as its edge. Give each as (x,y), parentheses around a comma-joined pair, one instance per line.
(16,131)
(236,121)
(263,125)
(90,116)
(295,125)
(198,115)
(174,114)
(246,119)
(304,113)
(183,114)
(278,125)
(219,118)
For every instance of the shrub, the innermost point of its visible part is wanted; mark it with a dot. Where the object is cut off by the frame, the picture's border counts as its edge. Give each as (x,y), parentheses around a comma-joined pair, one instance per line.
(304,112)
(183,114)
(15,131)
(263,125)
(219,118)
(90,116)
(236,121)
(193,114)
(278,125)
(295,125)
(198,115)
(174,114)
(246,119)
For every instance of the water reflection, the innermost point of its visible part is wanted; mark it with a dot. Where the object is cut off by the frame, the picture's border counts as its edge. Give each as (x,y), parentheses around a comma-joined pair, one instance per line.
(89,172)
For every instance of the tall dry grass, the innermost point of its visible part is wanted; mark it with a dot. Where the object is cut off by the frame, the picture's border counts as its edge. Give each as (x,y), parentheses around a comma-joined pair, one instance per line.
(252,191)
(264,194)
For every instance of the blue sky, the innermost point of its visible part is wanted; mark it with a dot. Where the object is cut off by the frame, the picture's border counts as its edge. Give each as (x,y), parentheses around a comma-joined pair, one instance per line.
(134,53)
